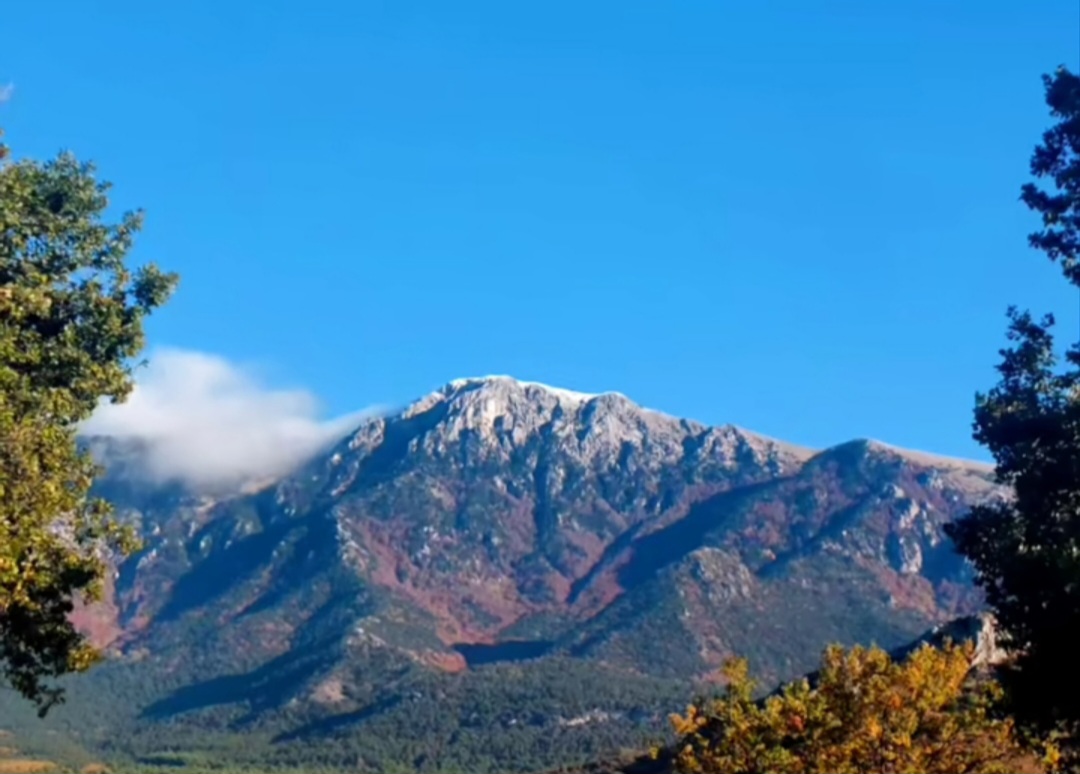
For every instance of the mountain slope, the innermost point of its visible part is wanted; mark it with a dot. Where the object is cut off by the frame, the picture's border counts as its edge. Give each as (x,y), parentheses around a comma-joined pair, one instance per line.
(497,528)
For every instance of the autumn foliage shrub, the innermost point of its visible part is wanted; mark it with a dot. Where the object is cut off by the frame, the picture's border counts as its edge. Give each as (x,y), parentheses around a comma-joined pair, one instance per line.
(865,712)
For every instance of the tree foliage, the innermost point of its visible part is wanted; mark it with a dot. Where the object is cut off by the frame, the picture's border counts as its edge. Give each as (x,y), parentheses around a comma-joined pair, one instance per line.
(71,320)
(866,713)
(1026,551)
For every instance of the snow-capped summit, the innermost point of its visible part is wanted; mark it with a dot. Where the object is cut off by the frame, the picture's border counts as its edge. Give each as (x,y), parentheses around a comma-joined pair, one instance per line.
(473,382)
(494,396)
(496,418)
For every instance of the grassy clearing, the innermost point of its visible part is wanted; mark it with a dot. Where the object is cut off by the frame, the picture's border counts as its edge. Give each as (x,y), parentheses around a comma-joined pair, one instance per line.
(26,766)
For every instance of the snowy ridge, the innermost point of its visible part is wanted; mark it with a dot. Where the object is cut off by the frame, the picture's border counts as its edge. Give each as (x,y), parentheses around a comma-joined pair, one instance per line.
(592,431)
(929,459)
(572,396)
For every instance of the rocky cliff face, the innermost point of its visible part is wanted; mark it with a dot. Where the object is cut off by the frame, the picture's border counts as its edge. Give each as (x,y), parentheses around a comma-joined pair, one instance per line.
(496,520)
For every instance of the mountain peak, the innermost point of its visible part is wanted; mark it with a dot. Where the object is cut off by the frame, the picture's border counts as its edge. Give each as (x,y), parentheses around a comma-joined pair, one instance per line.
(928,459)
(486,398)
(498,381)
(503,410)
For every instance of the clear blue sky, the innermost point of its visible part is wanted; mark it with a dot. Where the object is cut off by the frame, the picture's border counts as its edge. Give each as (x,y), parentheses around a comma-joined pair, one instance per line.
(799,216)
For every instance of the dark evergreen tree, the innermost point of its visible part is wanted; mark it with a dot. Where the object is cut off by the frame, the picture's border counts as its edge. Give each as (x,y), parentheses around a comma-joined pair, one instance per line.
(1026,551)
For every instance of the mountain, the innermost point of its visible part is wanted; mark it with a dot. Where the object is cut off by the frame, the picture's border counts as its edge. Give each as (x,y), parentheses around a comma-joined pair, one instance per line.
(979,631)
(534,572)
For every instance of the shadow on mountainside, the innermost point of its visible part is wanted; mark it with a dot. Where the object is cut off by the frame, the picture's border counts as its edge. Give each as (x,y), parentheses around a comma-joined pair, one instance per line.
(642,557)
(317,647)
(651,554)
(268,686)
(327,726)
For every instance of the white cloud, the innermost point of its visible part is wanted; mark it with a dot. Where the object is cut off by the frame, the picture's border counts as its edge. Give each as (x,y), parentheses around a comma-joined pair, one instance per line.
(6,91)
(209,422)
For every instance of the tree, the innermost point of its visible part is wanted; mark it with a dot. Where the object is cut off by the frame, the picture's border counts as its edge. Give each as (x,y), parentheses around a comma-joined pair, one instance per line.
(1026,550)
(866,713)
(71,320)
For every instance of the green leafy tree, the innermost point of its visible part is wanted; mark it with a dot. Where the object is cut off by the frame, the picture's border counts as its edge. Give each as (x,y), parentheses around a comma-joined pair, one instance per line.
(71,320)
(1026,551)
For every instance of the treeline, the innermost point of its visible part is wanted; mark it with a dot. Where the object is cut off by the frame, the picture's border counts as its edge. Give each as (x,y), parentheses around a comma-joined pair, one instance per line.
(501,718)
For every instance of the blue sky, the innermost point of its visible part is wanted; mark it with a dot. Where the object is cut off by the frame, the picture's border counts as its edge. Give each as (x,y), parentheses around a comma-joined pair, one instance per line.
(800,217)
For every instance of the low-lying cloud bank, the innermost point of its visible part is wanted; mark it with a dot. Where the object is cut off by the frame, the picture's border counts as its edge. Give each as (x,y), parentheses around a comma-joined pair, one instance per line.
(209,422)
